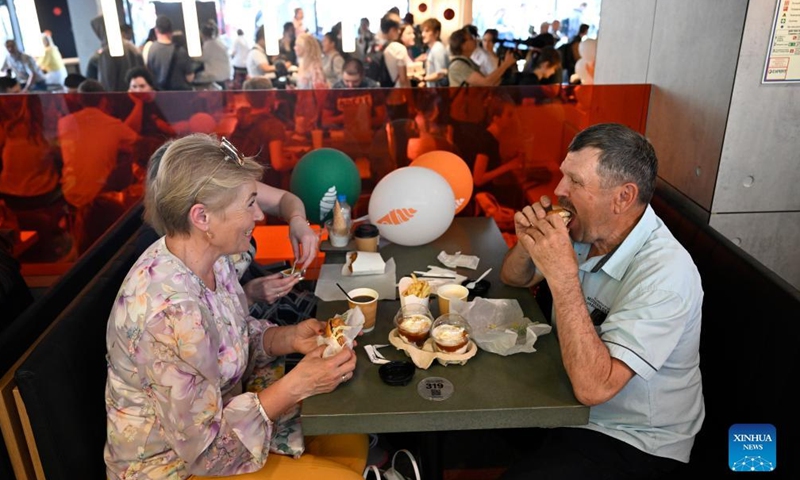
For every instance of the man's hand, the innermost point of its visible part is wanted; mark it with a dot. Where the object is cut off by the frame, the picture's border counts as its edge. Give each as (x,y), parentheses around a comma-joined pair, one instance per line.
(547,242)
(525,218)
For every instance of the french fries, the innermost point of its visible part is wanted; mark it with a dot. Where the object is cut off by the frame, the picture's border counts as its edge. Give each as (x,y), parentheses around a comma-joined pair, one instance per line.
(418,288)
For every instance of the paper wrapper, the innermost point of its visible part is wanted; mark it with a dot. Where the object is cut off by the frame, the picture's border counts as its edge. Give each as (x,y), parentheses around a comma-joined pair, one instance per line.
(366,263)
(402,285)
(354,319)
(499,326)
(424,357)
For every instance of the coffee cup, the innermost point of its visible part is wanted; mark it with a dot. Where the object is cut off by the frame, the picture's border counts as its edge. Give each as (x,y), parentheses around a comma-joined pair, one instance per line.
(367,300)
(367,237)
(449,292)
(316,139)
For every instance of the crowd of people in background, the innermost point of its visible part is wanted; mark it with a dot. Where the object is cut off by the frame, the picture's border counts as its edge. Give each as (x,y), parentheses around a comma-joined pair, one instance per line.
(413,53)
(334,90)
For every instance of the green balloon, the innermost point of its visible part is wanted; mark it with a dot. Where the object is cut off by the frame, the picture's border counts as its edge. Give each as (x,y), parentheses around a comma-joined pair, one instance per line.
(319,177)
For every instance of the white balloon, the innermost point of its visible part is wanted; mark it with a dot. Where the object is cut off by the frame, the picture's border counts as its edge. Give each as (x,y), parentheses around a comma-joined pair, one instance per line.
(412,206)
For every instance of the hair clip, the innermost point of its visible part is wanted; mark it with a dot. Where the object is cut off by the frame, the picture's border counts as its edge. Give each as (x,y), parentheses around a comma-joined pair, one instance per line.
(230,152)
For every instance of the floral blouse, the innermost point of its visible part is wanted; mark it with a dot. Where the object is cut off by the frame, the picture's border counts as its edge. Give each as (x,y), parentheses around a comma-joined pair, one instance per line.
(177,355)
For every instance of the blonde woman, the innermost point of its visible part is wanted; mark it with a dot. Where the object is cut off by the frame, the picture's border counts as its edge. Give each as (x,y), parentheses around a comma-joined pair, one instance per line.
(51,62)
(181,344)
(309,58)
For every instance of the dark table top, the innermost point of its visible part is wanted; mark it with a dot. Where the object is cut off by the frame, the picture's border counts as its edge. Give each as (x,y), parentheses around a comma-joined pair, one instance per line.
(490,391)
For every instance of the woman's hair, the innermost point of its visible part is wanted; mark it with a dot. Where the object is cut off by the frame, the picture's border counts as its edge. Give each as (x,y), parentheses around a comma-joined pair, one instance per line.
(311,60)
(457,40)
(493,34)
(193,169)
(549,55)
(140,72)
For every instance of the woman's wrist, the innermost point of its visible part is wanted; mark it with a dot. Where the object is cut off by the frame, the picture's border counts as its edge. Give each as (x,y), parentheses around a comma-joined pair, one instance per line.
(302,217)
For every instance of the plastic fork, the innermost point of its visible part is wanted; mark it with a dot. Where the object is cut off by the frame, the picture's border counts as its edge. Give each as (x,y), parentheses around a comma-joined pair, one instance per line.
(472,284)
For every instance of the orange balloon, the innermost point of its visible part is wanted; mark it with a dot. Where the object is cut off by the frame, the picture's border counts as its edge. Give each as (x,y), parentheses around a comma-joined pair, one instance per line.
(453,169)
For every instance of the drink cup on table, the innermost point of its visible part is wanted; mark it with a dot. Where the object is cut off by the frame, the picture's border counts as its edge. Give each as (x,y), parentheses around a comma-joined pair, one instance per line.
(448,292)
(413,323)
(367,237)
(367,300)
(316,138)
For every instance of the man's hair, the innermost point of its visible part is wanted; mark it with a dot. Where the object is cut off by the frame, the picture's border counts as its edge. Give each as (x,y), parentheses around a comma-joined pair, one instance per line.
(126,31)
(457,40)
(473,30)
(395,10)
(90,88)
(209,29)
(253,91)
(583,28)
(259,34)
(388,23)
(140,72)
(239,32)
(7,83)
(163,24)
(353,66)
(433,25)
(625,156)
(73,80)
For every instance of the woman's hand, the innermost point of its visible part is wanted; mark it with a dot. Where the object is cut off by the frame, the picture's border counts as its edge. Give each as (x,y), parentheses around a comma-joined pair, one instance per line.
(301,234)
(315,375)
(306,333)
(269,288)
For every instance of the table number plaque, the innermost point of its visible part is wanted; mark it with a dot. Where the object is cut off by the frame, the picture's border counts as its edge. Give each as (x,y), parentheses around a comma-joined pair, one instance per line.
(435,388)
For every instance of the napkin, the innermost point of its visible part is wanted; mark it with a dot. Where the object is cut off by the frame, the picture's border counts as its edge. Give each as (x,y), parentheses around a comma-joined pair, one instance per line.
(458,260)
(499,326)
(331,274)
(374,355)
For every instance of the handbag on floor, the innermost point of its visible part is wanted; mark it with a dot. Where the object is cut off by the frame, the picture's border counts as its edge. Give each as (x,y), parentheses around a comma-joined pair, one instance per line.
(392,473)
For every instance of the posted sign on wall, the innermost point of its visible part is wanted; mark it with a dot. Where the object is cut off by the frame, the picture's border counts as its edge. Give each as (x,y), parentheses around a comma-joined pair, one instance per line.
(783,57)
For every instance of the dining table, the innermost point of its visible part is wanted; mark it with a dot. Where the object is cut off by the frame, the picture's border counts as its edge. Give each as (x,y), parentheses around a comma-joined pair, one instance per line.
(489,391)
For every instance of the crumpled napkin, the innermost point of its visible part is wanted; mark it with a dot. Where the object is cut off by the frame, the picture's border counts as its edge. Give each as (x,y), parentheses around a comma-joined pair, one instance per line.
(458,260)
(499,326)
(374,355)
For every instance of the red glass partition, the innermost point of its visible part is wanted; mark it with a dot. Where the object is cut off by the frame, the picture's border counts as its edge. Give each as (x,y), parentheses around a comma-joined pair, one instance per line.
(72,164)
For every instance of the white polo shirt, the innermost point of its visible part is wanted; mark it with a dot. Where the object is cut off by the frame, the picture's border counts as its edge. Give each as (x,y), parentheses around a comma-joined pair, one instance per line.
(645,299)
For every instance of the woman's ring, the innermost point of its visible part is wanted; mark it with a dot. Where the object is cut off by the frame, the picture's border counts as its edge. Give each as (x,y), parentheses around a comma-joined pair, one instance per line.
(344,377)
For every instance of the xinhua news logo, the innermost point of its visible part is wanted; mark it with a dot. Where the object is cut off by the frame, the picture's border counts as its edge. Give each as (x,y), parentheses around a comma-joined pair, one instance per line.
(752,447)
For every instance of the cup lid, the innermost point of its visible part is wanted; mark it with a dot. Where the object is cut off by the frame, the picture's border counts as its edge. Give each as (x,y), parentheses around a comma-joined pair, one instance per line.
(397,373)
(366,230)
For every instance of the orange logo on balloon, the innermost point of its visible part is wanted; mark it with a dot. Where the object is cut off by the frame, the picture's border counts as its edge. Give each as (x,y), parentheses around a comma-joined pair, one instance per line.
(397,217)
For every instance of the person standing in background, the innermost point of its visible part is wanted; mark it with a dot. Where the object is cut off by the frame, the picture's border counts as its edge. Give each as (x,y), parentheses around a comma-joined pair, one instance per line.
(51,63)
(239,52)
(489,41)
(216,63)
(479,55)
(29,75)
(436,59)
(365,40)
(299,28)
(332,60)
(168,61)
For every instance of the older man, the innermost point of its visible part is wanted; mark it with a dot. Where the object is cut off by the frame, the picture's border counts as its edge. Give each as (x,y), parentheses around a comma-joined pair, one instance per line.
(626,307)
(28,73)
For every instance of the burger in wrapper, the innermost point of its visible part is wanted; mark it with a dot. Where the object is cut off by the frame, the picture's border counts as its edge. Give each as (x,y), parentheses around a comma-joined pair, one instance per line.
(340,331)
